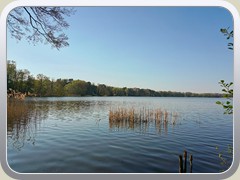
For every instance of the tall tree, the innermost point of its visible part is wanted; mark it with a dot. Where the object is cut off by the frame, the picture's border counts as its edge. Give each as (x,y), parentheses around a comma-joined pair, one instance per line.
(40,24)
(42,85)
(11,74)
(30,84)
(58,87)
(22,76)
(76,88)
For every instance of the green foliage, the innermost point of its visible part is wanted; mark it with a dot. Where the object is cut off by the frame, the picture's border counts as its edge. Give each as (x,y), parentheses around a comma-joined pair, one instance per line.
(58,88)
(11,74)
(76,88)
(41,85)
(227,106)
(227,90)
(229,35)
(228,94)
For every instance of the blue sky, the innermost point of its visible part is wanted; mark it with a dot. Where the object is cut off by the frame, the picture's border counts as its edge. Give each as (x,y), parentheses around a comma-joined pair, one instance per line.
(161,48)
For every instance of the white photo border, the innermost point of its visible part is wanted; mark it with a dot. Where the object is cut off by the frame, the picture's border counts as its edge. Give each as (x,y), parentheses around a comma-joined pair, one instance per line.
(123,3)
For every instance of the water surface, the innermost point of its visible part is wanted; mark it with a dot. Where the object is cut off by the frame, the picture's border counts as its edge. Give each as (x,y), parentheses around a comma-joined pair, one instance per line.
(73,135)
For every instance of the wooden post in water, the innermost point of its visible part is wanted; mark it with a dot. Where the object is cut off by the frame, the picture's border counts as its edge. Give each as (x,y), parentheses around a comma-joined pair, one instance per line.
(180,164)
(183,168)
(185,161)
(190,161)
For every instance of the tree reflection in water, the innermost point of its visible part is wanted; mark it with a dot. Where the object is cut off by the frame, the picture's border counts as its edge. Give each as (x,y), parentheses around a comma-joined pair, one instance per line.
(23,120)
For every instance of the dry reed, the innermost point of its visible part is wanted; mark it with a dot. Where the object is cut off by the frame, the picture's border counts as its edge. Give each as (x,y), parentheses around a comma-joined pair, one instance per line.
(16,95)
(131,116)
(23,119)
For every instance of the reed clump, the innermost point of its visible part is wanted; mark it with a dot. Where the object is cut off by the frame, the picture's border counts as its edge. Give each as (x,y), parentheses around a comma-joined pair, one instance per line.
(132,116)
(16,109)
(23,119)
(16,95)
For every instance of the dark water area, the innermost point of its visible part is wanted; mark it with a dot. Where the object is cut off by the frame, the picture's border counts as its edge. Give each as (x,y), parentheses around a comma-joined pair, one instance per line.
(74,135)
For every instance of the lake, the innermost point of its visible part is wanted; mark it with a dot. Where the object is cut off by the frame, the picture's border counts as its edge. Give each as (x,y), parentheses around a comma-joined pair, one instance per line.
(74,135)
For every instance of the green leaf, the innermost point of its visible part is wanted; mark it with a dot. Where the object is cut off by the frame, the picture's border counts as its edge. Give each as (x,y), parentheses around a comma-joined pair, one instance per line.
(223,30)
(218,102)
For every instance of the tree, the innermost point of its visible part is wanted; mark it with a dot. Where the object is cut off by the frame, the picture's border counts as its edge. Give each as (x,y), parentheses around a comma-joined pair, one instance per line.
(76,88)
(58,87)
(11,74)
(40,24)
(103,90)
(118,91)
(22,76)
(91,89)
(228,92)
(30,84)
(42,85)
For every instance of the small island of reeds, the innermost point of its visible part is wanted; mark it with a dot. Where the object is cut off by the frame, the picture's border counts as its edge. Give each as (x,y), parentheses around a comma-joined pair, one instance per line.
(123,116)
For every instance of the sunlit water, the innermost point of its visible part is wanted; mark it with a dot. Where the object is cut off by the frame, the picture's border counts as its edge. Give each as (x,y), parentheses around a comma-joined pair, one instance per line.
(73,135)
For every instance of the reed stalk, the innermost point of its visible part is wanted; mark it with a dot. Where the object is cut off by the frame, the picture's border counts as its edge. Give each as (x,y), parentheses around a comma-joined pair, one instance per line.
(124,115)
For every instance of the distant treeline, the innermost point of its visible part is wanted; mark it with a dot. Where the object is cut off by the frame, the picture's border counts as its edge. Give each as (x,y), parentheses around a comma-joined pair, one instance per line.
(42,86)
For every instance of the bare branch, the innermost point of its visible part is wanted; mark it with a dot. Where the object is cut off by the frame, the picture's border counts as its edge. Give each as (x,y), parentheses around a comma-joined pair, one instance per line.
(40,23)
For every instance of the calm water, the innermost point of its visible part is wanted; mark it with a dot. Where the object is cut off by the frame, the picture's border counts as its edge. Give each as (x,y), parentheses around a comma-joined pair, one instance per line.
(73,135)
